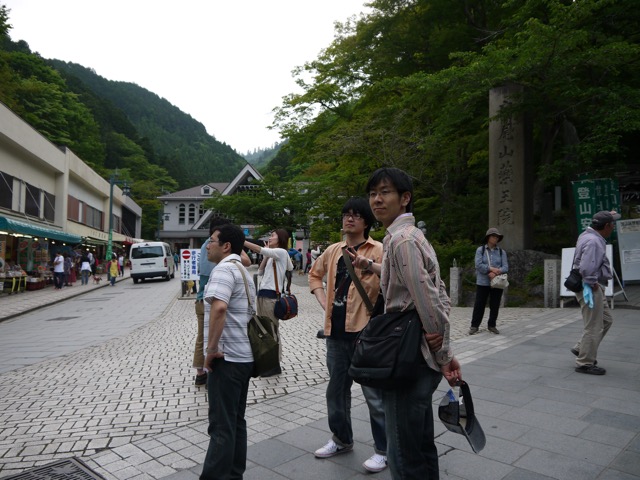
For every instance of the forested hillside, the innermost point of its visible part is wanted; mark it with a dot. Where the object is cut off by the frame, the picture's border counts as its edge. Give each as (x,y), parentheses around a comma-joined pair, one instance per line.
(181,143)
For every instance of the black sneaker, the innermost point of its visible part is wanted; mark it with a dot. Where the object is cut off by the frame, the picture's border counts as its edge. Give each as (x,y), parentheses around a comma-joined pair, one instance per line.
(591,370)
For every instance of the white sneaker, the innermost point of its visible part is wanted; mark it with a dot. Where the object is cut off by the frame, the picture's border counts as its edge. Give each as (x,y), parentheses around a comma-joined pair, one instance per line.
(376,463)
(331,449)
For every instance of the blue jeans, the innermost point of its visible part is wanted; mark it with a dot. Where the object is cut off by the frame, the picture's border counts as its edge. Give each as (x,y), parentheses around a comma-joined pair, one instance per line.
(339,353)
(227,387)
(412,453)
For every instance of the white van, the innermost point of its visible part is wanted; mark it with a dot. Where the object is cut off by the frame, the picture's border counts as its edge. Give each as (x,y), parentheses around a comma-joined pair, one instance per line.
(151,259)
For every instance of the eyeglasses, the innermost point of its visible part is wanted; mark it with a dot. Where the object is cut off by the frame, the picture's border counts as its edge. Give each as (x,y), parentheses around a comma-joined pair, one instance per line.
(382,193)
(354,216)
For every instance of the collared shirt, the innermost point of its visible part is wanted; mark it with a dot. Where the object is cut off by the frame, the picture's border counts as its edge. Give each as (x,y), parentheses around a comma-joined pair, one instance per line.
(327,263)
(410,278)
(226,283)
(591,258)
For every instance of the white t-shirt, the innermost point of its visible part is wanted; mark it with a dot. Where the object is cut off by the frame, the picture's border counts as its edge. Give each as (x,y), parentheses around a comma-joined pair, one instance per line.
(58,264)
(226,284)
(283,264)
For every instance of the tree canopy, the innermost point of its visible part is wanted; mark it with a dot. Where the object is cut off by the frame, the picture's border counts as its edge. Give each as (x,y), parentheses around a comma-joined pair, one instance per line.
(407,85)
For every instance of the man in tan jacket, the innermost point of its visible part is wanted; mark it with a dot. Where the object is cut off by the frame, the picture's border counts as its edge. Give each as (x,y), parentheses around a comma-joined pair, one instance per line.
(345,315)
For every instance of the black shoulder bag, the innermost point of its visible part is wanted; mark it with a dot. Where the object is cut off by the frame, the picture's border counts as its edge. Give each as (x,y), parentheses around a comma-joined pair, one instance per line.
(574,281)
(387,350)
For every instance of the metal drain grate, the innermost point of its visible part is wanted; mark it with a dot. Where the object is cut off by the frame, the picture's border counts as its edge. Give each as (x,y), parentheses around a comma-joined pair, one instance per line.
(68,469)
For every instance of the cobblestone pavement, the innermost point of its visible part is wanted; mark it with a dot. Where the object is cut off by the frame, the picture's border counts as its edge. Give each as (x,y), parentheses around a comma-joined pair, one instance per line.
(128,406)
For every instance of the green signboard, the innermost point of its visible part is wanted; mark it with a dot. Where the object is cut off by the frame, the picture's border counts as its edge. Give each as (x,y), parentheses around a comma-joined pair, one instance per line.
(591,196)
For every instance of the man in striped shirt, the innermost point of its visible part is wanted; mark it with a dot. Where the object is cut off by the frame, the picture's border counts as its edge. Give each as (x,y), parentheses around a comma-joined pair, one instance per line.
(410,279)
(228,360)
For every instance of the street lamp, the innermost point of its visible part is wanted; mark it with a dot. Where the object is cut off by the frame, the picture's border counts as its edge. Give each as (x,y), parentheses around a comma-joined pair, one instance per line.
(113,180)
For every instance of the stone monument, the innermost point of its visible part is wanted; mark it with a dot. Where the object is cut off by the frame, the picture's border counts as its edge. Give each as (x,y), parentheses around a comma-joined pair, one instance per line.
(510,169)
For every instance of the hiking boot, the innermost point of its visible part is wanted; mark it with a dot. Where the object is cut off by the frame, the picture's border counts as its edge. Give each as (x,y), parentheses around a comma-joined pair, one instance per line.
(473,330)
(591,370)
(376,463)
(494,330)
(331,449)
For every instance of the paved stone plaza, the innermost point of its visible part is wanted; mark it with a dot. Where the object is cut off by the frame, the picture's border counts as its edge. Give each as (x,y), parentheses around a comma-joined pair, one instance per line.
(124,402)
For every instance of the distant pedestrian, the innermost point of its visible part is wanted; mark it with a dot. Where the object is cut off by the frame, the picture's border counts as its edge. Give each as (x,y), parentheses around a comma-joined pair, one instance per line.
(113,269)
(307,267)
(121,264)
(85,270)
(92,262)
(592,262)
(58,271)
(68,265)
(229,358)
(490,261)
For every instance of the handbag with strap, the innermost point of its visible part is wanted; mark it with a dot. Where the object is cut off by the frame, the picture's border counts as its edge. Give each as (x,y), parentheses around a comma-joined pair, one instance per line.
(574,281)
(286,306)
(264,344)
(499,281)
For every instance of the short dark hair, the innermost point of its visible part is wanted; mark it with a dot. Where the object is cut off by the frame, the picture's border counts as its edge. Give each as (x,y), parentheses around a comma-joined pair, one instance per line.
(400,180)
(233,234)
(283,238)
(361,206)
(217,222)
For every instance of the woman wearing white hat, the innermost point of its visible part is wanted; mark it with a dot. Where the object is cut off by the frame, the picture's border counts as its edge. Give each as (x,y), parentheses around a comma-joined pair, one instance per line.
(491,261)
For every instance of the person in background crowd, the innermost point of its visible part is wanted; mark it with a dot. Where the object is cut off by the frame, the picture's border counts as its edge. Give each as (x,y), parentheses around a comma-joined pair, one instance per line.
(68,265)
(92,262)
(275,254)
(121,263)
(229,358)
(298,258)
(345,315)
(491,260)
(410,279)
(58,271)
(592,262)
(113,269)
(307,267)
(85,269)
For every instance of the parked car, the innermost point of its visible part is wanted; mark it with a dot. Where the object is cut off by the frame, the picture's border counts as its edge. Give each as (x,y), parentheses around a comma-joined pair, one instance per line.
(151,259)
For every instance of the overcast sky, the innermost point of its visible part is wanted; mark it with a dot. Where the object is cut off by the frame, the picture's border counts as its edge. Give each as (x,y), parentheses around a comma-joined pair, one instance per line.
(227,63)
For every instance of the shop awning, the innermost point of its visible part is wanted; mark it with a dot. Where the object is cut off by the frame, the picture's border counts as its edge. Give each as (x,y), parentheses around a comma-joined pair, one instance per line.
(15,226)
